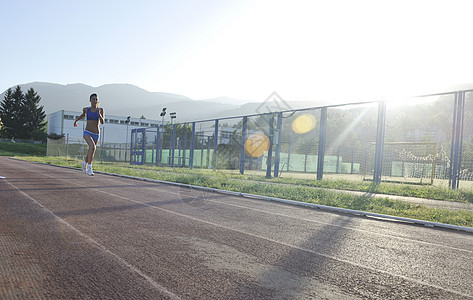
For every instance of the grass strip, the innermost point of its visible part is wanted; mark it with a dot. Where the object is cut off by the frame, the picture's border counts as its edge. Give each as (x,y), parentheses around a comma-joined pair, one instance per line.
(404,190)
(20,149)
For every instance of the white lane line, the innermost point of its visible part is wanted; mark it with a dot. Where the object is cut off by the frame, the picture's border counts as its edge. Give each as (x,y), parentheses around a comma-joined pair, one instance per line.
(277,242)
(153,283)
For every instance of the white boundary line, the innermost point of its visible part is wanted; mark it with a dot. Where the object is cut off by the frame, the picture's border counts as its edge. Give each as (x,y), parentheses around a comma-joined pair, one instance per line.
(291,202)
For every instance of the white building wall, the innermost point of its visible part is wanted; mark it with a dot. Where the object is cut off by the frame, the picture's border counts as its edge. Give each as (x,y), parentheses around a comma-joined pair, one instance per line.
(114,130)
(55,122)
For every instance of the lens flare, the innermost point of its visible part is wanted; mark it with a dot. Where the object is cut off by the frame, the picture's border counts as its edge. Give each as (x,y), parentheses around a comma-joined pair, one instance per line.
(303,124)
(256,144)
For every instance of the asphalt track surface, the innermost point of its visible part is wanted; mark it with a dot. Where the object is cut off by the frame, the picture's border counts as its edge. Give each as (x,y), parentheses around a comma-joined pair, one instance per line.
(66,235)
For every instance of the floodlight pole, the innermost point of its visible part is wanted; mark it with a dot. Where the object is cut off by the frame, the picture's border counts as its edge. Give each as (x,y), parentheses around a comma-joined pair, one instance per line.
(162,114)
(160,137)
(173,127)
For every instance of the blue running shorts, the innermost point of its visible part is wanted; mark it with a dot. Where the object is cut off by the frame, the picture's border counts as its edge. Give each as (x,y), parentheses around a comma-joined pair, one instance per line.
(94,136)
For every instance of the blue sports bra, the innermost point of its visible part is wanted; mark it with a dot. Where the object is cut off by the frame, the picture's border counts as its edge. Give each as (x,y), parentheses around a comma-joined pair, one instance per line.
(93,116)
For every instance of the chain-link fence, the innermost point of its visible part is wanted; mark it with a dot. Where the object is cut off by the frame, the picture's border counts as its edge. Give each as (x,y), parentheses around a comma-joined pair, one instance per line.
(76,147)
(424,140)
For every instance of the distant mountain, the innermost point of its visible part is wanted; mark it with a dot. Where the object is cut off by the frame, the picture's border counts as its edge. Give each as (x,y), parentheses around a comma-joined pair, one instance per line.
(124,100)
(130,100)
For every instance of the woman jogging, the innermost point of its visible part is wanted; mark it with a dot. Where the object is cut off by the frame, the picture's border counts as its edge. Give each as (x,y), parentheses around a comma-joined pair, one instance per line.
(94,115)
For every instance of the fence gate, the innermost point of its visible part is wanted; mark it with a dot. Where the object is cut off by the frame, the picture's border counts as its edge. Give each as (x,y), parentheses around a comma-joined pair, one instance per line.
(137,148)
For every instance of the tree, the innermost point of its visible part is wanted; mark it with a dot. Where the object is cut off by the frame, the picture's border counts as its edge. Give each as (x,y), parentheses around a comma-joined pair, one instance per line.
(21,116)
(181,130)
(33,115)
(8,108)
(17,115)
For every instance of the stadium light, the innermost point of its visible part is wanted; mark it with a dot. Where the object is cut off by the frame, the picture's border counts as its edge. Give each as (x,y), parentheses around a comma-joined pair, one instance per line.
(163,113)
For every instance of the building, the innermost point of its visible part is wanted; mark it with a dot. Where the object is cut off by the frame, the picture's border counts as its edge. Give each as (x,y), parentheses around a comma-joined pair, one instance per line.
(114,130)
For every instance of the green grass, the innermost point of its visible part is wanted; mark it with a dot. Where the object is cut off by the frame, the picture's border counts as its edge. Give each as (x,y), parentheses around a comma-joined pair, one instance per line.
(299,190)
(21,149)
(406,190)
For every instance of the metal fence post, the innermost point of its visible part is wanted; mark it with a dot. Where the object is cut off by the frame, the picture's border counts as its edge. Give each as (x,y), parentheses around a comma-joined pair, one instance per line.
(243,140)
(184,150)
(101,144)
(202,152)
(452,147)
(132,139)
(158,147)
(215,157)
(191,154)
(277,156)
(322,136)
(208,151)
(270,150)
(457,140)
(179,146)
(380,132)
(462,108)
(173,144)
(67,145)
(143,147)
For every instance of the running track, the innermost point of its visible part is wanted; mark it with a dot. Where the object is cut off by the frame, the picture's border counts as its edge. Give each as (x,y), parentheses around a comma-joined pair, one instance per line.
(65,235)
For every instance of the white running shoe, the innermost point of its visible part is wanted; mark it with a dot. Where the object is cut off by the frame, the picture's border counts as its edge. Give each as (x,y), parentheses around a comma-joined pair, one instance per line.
(84,167)
(89,171)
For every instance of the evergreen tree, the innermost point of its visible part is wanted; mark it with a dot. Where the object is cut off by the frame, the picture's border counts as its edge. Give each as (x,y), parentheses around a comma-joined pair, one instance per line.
(33,115)
(7,114)
(16,115)
(20,114)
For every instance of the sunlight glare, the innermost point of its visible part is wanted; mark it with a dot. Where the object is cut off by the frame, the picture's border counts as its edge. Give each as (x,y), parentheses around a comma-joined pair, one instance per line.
(256,144)
(303,124)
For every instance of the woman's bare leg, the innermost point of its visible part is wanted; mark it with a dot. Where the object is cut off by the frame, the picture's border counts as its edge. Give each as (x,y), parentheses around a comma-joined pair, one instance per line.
(91,152)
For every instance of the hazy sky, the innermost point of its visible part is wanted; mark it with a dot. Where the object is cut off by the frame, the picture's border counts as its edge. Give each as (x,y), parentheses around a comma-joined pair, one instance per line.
(304,50)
